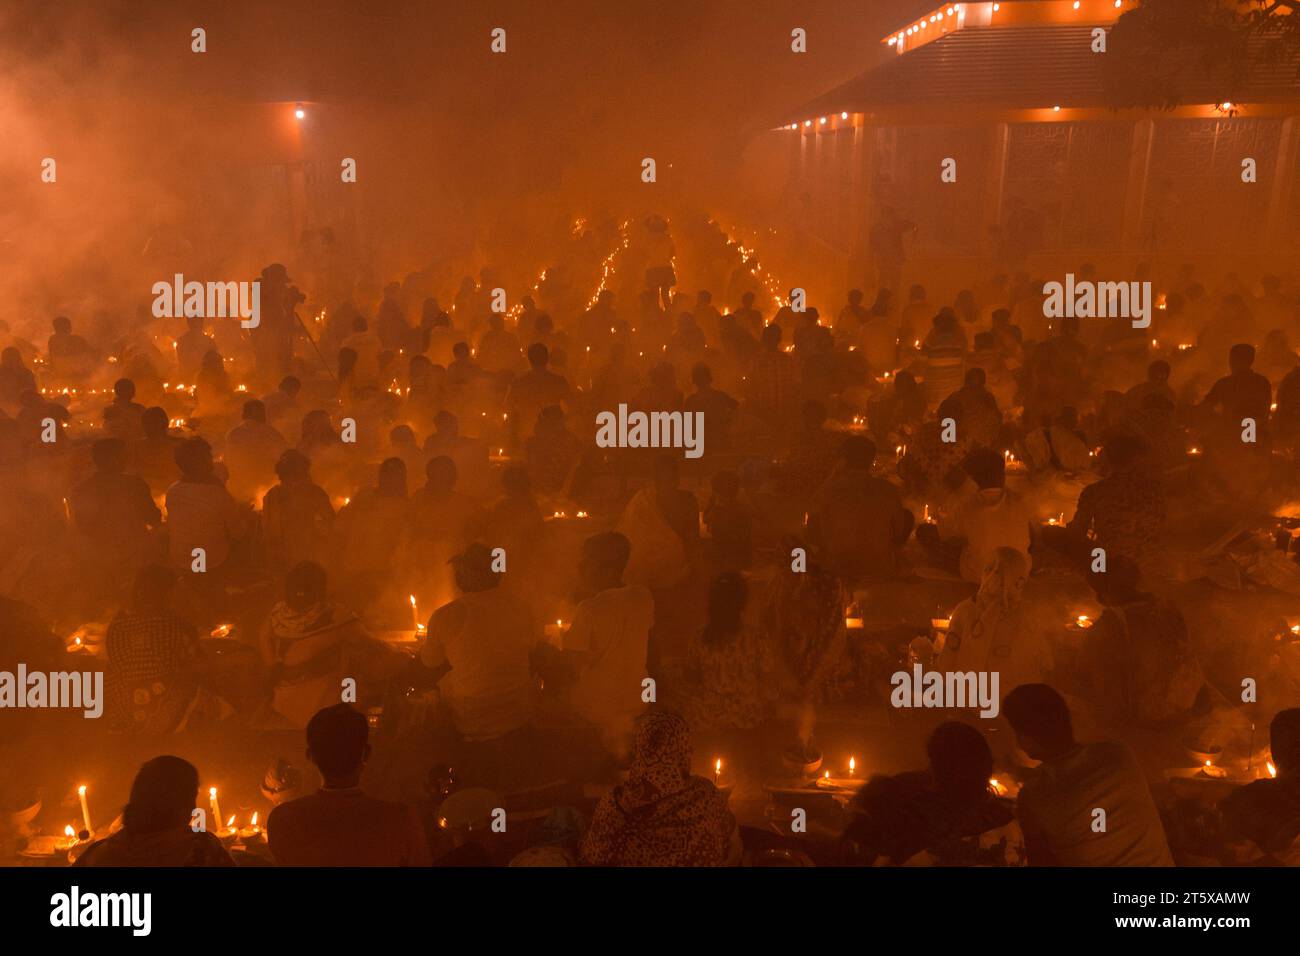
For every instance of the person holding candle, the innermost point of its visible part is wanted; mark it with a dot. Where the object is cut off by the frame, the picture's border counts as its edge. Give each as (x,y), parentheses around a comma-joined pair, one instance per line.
(156,828)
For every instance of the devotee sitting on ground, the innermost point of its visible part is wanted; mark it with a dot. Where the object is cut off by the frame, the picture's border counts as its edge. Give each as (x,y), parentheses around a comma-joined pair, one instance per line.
(480,645)
(156,827)
(662,524)
(533,391)
(662,815)
(339,824)
(730,521)
(368,535)
(201,514)
(858,520)
(946,815)
(15,378)
(899,410)
(730,670)
(1058,804)
(122,414)
(152,672)
(153,457)
(113,512)
(993,631)
(553,452)
(1267,811)
(990,517)
(814,452)
(1243,393)
(1124,512)
(251,450)
(297,516)
(980,415)
(1138,663)
(311,644)
(607,644)
(718,407)
(1157,383)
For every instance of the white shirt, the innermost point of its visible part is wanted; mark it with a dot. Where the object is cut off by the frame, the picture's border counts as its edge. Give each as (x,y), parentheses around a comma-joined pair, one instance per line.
(612,628)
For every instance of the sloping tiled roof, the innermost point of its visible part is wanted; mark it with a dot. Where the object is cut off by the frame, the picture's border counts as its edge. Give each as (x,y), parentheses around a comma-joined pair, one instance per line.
(1021,67)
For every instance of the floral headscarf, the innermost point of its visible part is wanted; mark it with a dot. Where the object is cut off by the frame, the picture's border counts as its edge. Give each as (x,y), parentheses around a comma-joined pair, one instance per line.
(662,816)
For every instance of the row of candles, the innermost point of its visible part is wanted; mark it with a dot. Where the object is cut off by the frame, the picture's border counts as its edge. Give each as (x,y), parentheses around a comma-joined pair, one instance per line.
(71,837)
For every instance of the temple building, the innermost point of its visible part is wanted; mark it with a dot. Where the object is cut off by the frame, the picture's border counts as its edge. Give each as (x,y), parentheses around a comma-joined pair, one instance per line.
(1046,167)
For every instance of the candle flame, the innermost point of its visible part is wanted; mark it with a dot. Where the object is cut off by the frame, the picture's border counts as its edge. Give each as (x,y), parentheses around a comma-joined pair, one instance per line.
(82,790)
(852,764)
(254,820)
(68,831)
(231,822)
(717,765)
(412,600)
(1272,770)
(212,793)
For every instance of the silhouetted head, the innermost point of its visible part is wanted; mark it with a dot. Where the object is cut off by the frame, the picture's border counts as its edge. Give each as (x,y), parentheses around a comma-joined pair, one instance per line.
(338,743)
(1041,720)
(163,796)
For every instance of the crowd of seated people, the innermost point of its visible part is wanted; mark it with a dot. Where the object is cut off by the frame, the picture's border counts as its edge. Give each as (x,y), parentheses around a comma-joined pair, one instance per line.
(421,530)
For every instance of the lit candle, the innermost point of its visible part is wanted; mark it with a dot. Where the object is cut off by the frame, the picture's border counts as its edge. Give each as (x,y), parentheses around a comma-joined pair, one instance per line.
(415,614)
(717,770)
(252,830)
(1083,622)
(1272,770)
(216,807)
(85,808)
(853,764)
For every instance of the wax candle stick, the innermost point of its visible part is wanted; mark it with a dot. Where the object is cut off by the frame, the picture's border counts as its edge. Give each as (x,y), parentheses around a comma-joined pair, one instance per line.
(216,807)
(85,808)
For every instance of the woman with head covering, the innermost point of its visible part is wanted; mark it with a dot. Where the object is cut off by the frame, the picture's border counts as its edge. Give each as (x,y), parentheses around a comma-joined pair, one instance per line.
(156,823)
(662,816)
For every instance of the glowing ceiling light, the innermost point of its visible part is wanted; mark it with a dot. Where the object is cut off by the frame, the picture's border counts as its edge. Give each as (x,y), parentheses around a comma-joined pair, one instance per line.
(807,122)
(1076,4)
(1056,109)
(997,7)
(844,115)
(1118,4)
(822,120)
(893,40)
(950,11)
(1225,106)
(299,112)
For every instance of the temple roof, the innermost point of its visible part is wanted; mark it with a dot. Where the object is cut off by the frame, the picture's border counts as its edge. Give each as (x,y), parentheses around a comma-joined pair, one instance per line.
(1027,67)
